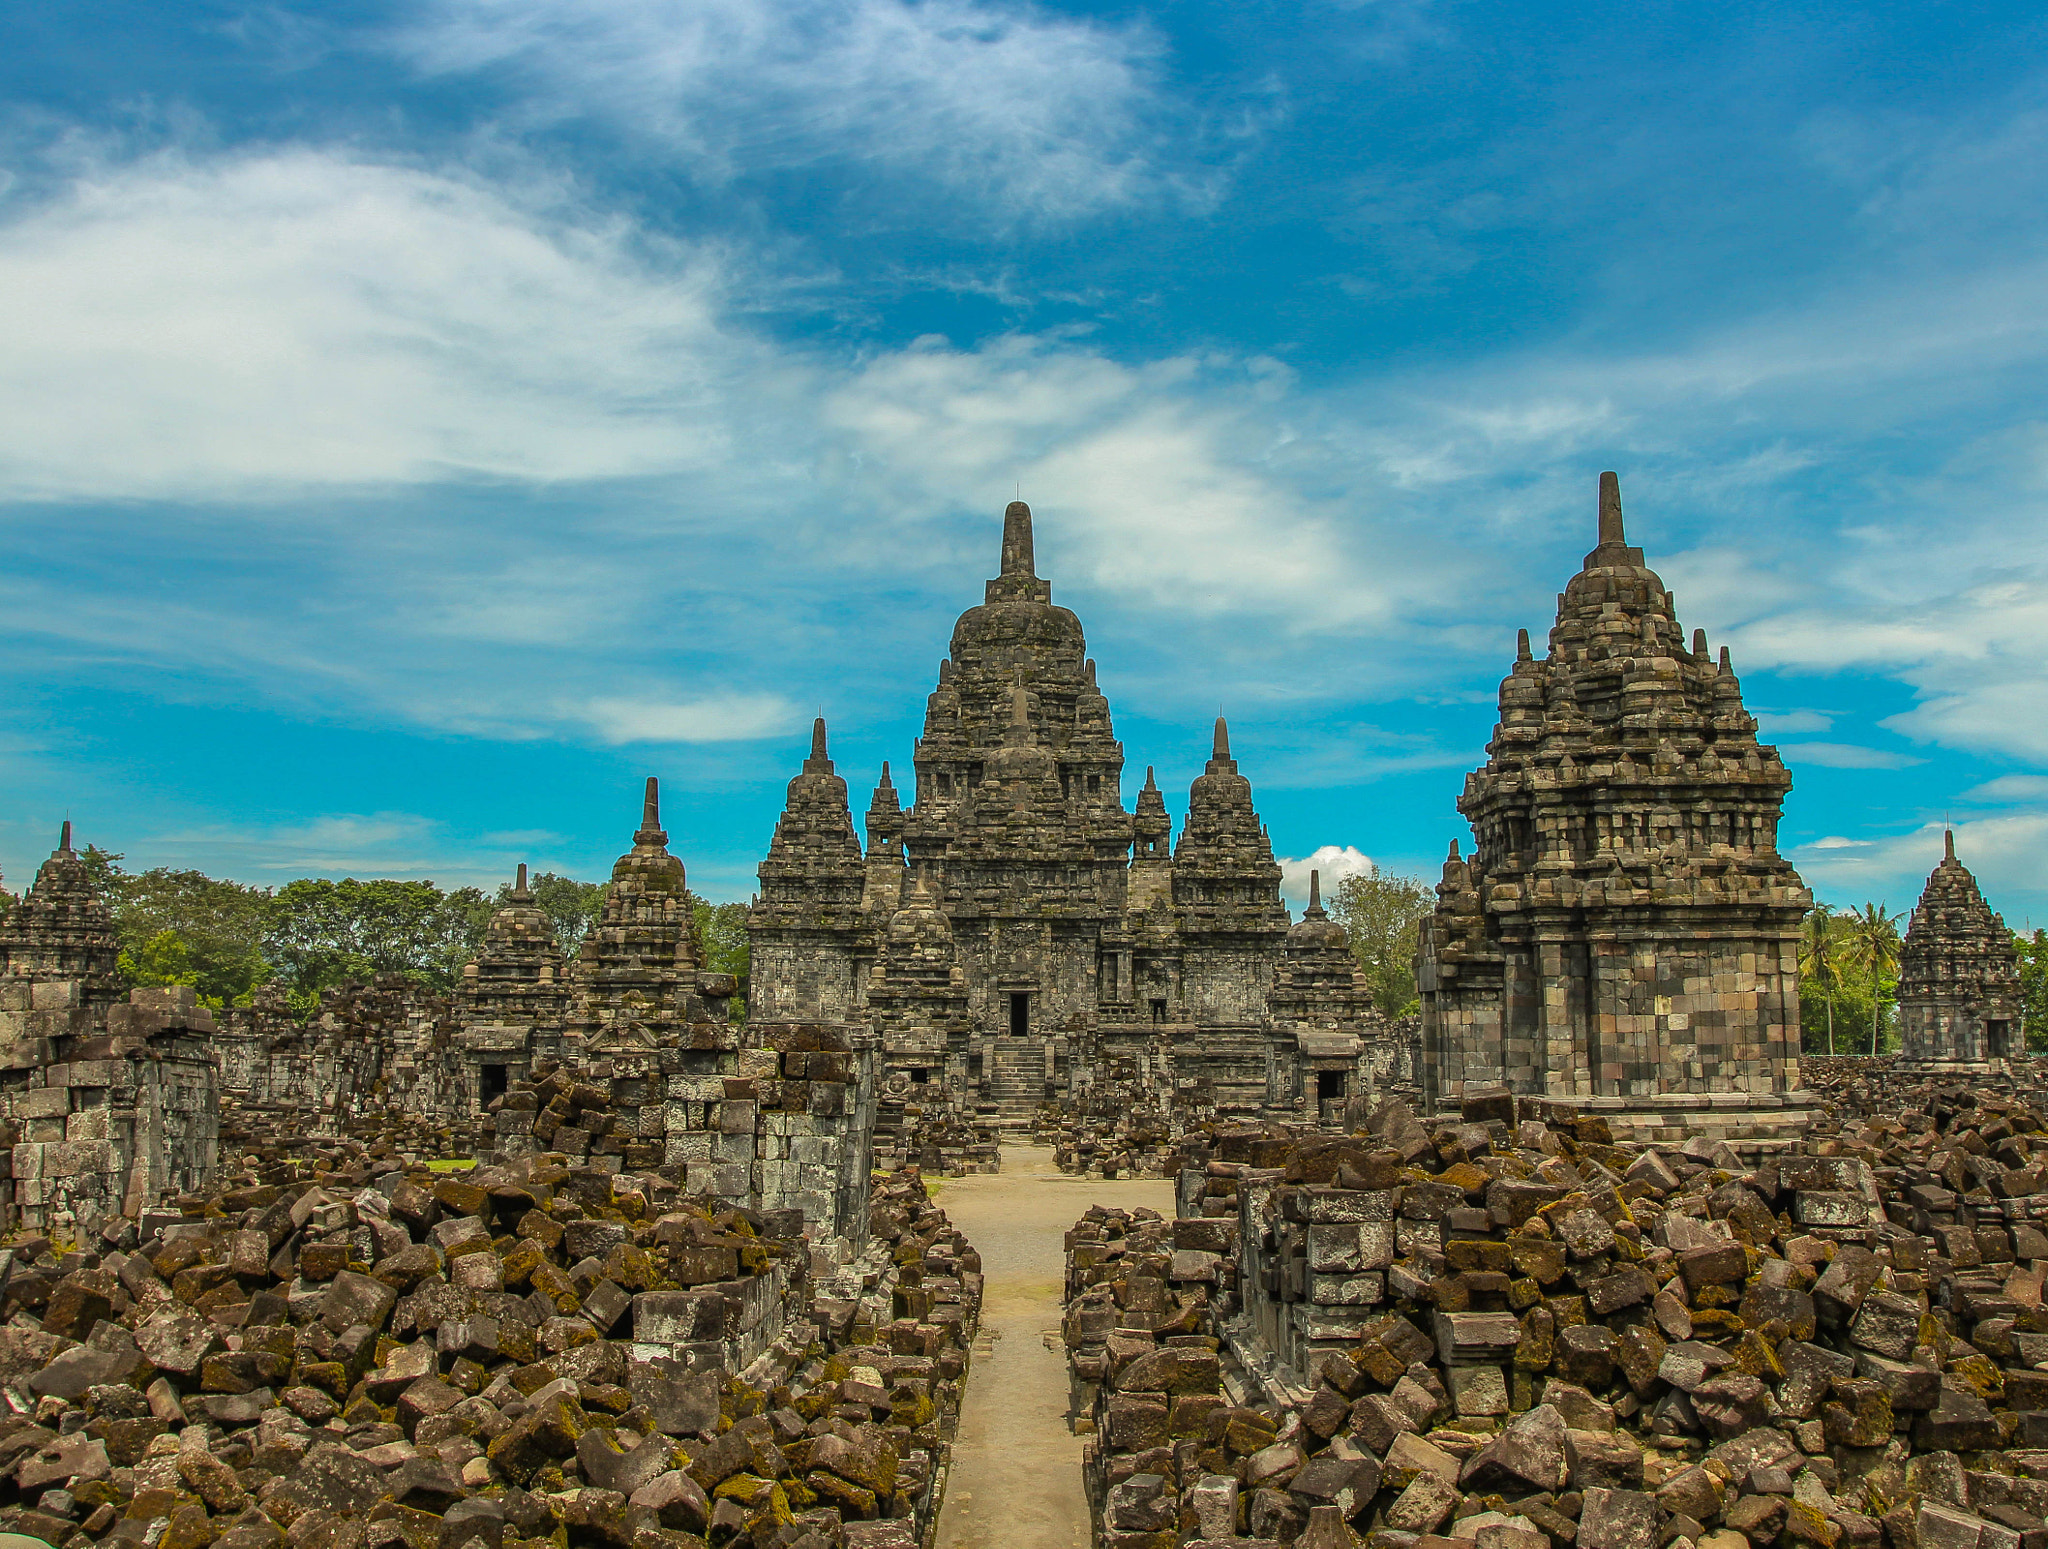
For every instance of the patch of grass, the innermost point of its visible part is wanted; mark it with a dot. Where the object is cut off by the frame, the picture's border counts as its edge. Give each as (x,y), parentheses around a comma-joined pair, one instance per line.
(932,1187)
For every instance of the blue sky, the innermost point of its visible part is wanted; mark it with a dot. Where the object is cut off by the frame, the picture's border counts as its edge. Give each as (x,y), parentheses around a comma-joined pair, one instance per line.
(419,423)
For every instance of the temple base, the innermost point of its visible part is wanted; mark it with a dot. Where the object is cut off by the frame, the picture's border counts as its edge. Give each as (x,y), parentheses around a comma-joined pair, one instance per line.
(1748,1121)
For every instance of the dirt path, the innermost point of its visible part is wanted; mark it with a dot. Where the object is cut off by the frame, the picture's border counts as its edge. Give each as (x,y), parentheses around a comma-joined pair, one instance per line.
(1016,1480)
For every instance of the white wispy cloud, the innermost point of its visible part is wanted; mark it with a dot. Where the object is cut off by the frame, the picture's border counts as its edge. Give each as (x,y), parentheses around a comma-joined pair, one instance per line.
(1844,755)
(249,323)
(722,718)
(2001,851)
(1014,111)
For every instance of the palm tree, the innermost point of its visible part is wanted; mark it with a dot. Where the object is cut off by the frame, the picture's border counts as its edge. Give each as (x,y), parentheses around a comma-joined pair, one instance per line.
(1817,962)
(1874,947)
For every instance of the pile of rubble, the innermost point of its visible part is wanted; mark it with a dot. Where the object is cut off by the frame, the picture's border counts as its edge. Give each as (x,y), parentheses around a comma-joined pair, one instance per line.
(334,1351)
(1140,1141)
(939,1142)
(1508,1331)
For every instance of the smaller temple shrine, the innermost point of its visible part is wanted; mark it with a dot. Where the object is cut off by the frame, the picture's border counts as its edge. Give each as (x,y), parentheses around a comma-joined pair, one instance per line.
(1959,976)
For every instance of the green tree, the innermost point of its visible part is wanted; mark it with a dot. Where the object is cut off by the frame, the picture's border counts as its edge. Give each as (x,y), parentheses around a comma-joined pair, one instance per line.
(1820,969)
(1873,947)
(722,933)
(1382,913)
(2033,951)
(184,927)
(572,907)
(322,933)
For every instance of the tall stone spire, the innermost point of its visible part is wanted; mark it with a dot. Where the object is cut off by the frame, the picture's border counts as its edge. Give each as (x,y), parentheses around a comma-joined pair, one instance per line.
(636,972)
(651,832)
(1224,875)
(1017,556)
(1152,826)
(807,920)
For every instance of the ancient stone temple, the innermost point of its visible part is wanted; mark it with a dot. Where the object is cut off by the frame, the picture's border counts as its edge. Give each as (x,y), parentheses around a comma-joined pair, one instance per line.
(62,933)
(1959,975)
(111,1099)
(636,980)
(512,1002)
(1049,934)
(805,926)
(1624,936)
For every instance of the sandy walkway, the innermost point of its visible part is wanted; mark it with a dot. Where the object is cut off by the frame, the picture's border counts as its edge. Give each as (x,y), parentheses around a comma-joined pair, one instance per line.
(1016,1480)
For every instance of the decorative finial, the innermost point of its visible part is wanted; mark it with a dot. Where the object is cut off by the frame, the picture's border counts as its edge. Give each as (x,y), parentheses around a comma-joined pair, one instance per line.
(1088,671)
(1727,667)
(1017,555)
(1150,784)
(1315,889)
(1522,645)
(64,836)
(818,738)
(1221,752)
(520,885)
(1948,844)
(650,815)
(1020,713)
(886,785)
(1610,512)
(1454,850)
(1699,644)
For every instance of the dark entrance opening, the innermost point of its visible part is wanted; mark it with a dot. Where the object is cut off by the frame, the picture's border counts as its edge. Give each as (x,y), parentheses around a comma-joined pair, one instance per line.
(1330,1086)
(1159,1011)
(920,1076)
(491,1083)
(1998,1034)
(1020,1014)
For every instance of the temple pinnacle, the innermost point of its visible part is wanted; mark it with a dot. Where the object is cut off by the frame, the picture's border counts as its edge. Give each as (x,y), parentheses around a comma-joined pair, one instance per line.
(64,836)
(1220,754)
(1948,844)
(818,739)
(1315,889)
(1017,556)
(1610,512)
(520,885)
(651,831)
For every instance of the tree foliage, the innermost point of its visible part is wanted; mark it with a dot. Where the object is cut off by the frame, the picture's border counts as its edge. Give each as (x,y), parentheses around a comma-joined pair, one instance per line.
(321,933)
(2033,951)
(1848,980)
(722,933)
(1382,913)
(225,939)
(183,927)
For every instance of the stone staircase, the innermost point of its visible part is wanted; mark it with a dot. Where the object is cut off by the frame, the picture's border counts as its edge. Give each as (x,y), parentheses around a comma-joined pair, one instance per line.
(1016,1081)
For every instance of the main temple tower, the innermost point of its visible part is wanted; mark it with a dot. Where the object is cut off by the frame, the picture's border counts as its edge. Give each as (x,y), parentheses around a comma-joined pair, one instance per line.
(1624,937)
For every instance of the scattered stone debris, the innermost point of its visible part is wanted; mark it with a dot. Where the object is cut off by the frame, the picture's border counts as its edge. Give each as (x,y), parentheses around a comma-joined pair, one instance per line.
(1507,1331)
(337,1350)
